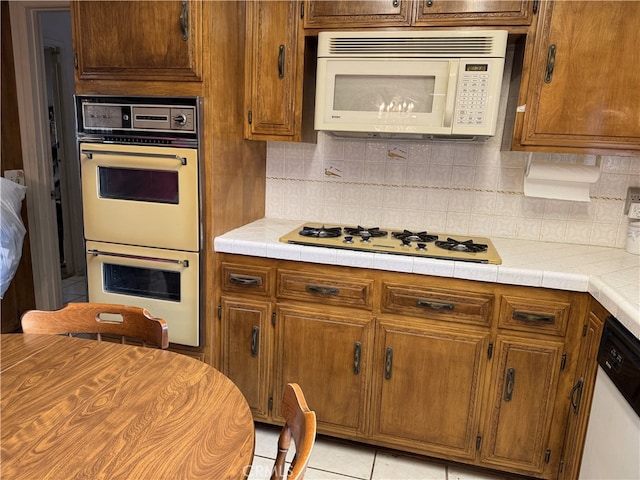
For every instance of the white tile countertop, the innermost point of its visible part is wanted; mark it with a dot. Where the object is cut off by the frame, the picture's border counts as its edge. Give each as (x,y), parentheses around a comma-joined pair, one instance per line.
(611,275)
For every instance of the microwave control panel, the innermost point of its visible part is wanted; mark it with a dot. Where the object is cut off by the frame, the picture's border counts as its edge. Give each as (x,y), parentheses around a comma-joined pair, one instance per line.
(473,94)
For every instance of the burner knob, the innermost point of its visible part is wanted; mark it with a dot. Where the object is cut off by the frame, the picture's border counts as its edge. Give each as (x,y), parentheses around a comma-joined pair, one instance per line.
(365,237)
(422,247)
(406,242)
(348,239)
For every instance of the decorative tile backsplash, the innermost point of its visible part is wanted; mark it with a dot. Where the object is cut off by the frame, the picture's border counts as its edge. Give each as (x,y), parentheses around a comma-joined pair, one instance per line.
(443,187)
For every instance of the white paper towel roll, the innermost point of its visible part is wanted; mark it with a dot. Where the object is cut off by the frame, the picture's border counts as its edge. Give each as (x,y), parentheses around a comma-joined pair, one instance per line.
(560,181)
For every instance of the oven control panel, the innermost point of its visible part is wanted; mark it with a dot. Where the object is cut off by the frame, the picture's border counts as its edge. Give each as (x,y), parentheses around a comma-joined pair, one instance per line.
(137,117)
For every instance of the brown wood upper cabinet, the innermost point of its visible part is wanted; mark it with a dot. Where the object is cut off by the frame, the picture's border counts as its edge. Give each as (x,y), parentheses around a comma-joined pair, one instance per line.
(583,93)
(398,13)
(142,40)
(274,71)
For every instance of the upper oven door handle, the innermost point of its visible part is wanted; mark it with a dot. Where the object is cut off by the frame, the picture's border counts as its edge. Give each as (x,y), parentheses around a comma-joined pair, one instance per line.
(91,153)
(184,263)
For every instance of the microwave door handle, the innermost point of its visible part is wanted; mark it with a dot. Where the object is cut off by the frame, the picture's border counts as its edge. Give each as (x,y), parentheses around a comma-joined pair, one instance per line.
(91,153)
(451,93)
(95,253)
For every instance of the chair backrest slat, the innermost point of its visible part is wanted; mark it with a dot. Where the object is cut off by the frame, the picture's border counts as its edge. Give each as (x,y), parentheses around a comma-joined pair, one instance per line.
(99,319)
(300,426)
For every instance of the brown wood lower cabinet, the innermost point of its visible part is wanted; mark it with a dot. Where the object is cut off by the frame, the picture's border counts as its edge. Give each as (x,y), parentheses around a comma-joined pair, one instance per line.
(427,387)
(328,355)
(479,373)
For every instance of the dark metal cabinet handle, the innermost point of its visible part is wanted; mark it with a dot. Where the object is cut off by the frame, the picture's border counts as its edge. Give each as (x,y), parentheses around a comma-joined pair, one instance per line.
(536,4)
(551,62)
(357,351)
(244,280)
(430,3)
(508,389)
(395,3)
(388,363)
(533,317)
(184,21)
(255,339)
(322,290)
(281,61)
(435,305)
(576,395)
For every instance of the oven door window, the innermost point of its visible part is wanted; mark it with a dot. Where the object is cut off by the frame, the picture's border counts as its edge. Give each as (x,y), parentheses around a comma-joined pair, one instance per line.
(141,185)
(142,282)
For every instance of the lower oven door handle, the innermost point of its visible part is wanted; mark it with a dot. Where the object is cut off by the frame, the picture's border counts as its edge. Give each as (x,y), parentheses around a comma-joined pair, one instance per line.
(184,263)
(91,153)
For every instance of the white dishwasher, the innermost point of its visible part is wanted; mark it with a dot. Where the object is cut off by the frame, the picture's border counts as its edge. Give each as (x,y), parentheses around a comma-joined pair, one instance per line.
(612,446)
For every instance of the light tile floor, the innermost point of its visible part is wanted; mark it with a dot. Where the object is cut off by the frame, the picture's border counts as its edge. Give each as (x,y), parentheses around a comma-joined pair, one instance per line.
(332,459)
(336,460)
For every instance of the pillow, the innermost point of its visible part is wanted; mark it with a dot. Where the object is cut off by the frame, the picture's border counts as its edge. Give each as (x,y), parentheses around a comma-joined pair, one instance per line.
(12,231)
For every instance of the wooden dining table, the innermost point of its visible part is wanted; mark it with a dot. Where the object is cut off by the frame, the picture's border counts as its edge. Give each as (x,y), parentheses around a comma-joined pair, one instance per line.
(79,408)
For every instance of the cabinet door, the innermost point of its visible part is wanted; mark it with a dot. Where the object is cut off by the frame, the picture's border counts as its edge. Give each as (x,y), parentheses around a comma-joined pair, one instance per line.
(273,67)
(521,404)
(328,355)
(427,387)
(246,347)
(473,12)
(141,40)
(373,13)
(582,392)
(584,91)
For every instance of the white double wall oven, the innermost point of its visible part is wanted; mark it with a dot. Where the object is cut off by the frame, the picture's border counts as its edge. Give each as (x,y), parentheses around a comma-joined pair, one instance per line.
(140,173)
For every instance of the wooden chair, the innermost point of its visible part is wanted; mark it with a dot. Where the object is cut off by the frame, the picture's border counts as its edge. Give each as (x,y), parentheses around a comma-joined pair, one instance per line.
(300,424)
(99,318)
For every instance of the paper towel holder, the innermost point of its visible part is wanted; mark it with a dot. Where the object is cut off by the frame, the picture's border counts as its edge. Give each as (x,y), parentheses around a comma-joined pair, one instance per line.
(560,181)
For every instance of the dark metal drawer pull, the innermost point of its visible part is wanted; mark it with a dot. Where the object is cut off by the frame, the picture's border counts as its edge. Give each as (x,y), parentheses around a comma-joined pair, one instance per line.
(435,305)
(576,395)
(244,280)
(508,389)
(533,317)
(255,336)
(184,21)
(281,61)
(551,63)
(357,351)
(323,290)
(388,363)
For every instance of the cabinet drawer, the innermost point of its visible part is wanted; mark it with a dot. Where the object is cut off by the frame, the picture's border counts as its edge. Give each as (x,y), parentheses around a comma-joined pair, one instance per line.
(246,279)
(437,304)
(537,316)
(326,289)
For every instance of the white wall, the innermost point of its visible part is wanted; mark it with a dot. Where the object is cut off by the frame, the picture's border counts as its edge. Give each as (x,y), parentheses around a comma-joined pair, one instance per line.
(454,188)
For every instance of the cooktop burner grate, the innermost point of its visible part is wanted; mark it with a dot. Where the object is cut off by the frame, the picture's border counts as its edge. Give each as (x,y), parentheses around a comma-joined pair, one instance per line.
(359,231)
(321,232)
(407,236)
(461,246)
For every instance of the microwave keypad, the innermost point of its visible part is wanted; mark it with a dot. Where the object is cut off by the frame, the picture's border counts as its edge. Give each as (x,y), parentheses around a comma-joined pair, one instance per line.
(472,100)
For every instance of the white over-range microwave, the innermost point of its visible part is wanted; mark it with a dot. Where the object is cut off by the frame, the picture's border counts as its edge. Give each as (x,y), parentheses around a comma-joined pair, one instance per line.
(424,84)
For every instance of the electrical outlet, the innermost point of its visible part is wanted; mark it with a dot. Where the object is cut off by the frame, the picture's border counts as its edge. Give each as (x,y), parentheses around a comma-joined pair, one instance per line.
(634,211)
(633,196)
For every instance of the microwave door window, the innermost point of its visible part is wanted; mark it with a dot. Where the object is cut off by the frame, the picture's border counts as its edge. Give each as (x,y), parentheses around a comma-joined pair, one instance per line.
(141,282)
(140,185)
(384,93)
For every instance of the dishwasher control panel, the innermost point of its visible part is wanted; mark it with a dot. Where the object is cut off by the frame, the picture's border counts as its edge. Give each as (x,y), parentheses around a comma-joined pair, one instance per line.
(619,357)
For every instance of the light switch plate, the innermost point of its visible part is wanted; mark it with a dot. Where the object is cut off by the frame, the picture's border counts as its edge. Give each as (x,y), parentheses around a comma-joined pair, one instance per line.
(16,176)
